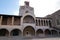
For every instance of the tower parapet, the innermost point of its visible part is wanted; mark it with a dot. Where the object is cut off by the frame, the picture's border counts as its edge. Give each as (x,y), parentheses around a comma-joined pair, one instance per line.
(26,3)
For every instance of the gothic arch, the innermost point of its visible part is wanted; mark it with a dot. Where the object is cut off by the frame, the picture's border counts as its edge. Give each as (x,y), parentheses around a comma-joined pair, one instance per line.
(4,32)
(29,30)
(16,32)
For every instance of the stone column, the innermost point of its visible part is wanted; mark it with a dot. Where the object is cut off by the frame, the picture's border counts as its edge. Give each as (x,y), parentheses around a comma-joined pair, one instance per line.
(44,33)
(9,34)
(1,20)
(35,33)
(51,33)
(13,20)
(20,22)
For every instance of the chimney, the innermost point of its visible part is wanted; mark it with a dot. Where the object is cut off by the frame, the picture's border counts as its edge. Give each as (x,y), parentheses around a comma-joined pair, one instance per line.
(26,3)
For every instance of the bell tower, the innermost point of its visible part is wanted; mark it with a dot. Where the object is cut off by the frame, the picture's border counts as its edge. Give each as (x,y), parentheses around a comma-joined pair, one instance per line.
(26,9)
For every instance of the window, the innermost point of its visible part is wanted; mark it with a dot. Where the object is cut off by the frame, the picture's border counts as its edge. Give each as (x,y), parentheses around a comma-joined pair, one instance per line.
(26,12)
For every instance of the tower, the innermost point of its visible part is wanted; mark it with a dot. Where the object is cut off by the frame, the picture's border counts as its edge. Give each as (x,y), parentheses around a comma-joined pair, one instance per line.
(26,9)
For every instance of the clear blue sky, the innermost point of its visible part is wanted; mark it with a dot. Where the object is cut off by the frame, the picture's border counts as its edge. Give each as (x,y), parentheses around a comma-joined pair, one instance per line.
(9,6)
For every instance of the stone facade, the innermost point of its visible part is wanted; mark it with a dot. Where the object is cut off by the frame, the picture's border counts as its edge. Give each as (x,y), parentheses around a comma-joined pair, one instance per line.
(27,25)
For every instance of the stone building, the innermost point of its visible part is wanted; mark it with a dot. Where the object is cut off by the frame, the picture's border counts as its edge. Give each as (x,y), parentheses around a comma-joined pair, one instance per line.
(27,25)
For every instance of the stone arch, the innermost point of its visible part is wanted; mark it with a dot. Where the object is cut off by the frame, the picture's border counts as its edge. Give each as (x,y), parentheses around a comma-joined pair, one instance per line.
(16,32)
(29,31)
(54,32)
(4,32)
(47,32)
(39,32)
(28,19)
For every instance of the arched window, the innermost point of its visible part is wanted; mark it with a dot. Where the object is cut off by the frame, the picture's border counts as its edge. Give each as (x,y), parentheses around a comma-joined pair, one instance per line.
(27,12)
(28,19)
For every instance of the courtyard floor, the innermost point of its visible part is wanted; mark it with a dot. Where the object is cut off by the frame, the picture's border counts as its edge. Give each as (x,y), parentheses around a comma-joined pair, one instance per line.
(19,38)
(45,39)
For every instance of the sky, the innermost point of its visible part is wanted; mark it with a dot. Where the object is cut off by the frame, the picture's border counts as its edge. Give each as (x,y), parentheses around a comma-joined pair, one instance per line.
(41,7)
(10,7)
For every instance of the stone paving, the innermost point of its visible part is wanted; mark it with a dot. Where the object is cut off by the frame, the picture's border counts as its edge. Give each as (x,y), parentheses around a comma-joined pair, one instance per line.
(51,38)
(19,38)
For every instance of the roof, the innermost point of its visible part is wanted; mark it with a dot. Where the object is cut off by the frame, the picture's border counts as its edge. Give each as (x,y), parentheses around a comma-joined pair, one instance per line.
(42,18)
(10,15)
